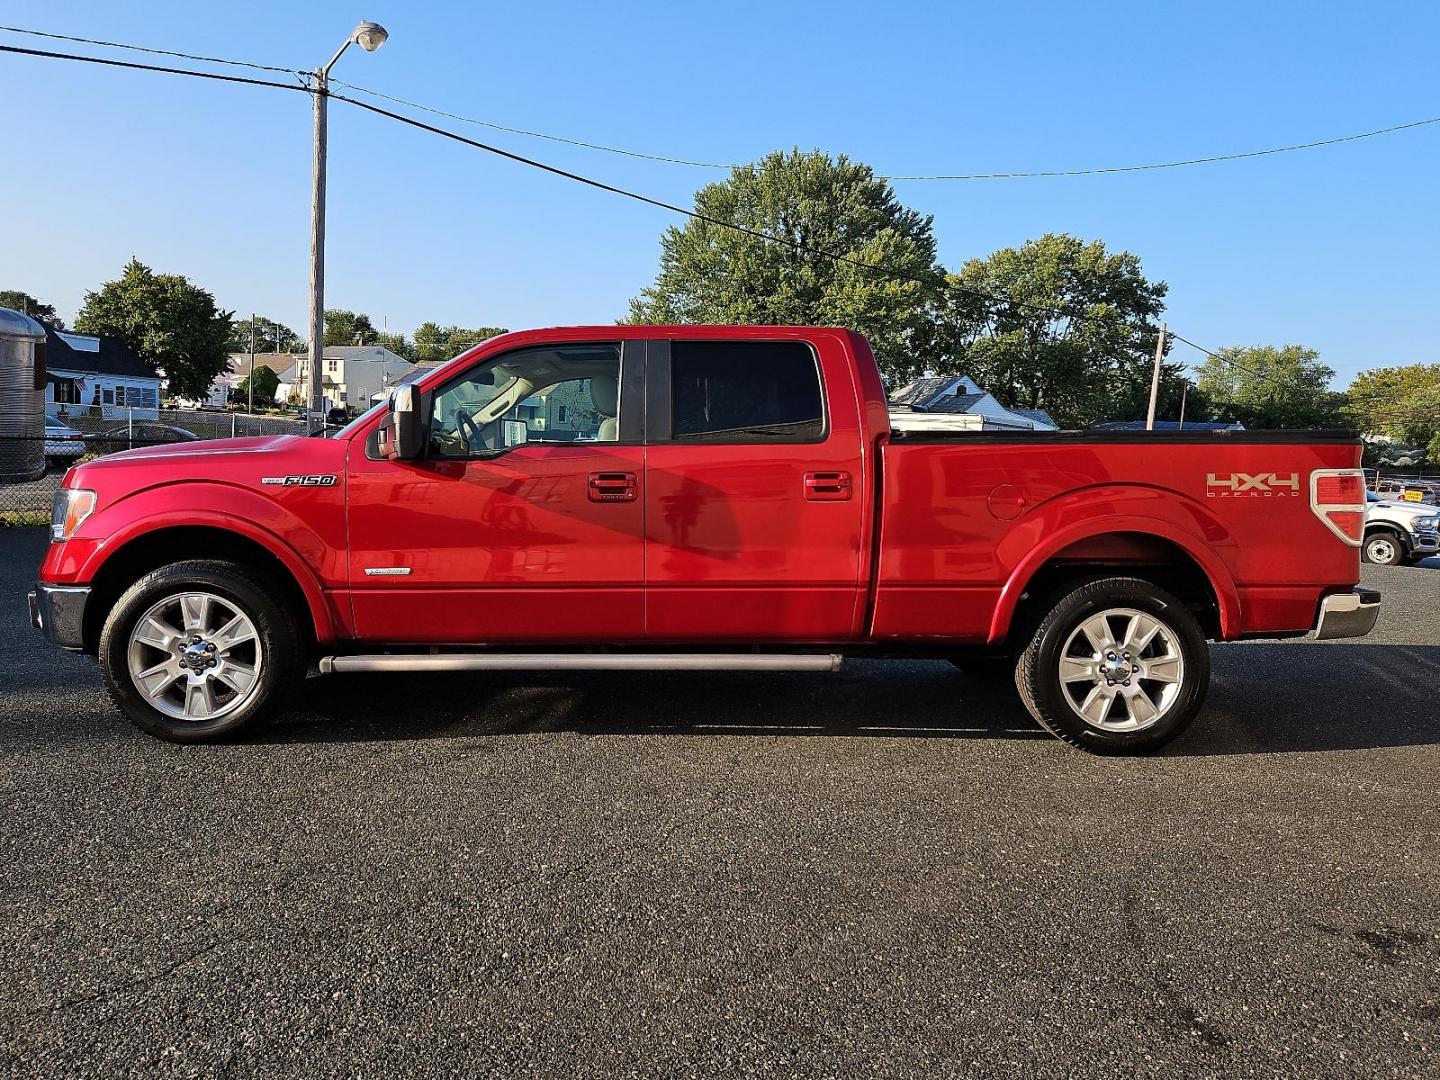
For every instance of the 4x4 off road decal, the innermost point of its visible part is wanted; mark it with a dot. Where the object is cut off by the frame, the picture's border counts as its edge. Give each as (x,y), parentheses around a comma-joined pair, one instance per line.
(316,480)
(1264,485)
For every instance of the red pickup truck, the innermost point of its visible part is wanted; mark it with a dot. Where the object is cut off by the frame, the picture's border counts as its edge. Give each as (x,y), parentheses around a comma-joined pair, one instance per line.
(729,498)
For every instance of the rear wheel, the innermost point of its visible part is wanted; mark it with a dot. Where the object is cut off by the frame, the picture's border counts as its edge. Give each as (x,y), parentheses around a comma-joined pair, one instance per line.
(1383,549)
(196,650)
(1117,666)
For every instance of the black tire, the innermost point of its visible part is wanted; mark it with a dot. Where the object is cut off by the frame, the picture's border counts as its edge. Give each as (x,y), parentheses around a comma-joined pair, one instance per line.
(1054,703)
(278,642)
(1383,548)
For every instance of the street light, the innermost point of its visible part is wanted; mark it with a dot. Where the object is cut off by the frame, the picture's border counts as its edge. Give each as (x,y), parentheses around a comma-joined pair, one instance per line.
(369,36)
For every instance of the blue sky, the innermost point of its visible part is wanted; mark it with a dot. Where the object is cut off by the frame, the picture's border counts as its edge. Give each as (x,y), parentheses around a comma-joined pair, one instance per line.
(1333,248)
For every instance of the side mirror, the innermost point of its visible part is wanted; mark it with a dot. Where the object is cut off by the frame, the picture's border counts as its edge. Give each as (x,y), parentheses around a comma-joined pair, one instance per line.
(402,435)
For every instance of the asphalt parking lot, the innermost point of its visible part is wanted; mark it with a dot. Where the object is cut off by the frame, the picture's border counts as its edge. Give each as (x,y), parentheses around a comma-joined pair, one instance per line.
(889,872)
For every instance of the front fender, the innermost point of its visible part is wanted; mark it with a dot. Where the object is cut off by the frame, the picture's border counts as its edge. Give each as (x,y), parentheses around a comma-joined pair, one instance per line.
(1082,515)
(307,539)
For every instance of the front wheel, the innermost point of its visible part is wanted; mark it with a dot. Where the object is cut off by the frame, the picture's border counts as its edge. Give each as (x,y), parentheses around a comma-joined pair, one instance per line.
(1383,549)
(196,650)
(1117,666)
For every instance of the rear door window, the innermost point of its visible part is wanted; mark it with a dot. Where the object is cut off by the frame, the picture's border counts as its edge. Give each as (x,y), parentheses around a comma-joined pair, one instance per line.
(745,392)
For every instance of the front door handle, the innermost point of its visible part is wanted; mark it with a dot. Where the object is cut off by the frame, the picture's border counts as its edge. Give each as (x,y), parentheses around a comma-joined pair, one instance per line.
(612,486)
(827,486)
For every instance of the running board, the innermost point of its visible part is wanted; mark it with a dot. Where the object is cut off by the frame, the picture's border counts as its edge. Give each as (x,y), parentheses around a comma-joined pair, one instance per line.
(582,662)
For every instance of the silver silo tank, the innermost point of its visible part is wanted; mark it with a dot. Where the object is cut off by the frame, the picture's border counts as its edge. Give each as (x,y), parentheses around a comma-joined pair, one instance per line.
(22,398)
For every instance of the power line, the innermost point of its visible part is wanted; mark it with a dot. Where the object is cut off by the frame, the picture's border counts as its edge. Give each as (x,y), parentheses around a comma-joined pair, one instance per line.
(670,160)
(932,283)
(154,67)
(144,49)
(532,134)
(1013,175)
(1242,367)
(1177,164)
(795,245)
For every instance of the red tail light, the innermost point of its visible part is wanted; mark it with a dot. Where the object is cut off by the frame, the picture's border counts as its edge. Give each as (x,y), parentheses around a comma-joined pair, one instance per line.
(1337,496)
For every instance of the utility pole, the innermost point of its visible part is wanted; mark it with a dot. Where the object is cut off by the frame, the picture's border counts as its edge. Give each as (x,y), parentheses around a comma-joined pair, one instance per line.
(1184,393)
(250,408)
(369,36)
(317,241)
(1155,378)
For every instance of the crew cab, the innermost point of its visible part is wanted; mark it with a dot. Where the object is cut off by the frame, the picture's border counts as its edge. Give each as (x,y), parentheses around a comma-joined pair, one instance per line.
(710,498)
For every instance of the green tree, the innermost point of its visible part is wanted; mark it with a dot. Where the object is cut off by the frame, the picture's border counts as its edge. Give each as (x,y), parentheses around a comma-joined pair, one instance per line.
(1265,387)
(348,328)
(270,337)
(1075,334)
(170,323)
(27,304)
(435,342)
(1401,402)
(711,274)
(399,344)
(266,383)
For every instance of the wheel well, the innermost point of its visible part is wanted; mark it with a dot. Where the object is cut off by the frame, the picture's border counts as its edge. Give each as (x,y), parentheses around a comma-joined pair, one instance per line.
(1164,564)
(165,546)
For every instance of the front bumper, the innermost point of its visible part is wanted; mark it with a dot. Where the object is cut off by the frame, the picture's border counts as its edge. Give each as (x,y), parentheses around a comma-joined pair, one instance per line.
(1424,543)
(1348,614)
(58,612)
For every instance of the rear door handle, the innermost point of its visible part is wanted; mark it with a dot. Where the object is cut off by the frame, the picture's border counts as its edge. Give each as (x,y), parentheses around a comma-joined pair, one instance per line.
(827,486)
(612,486)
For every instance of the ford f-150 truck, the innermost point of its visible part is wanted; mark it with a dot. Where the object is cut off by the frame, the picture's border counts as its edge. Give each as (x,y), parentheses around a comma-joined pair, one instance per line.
(727,498)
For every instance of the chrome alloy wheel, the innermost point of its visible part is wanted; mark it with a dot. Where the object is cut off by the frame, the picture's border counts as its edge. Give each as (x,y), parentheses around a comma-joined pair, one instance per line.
(1121,670)
(195,656)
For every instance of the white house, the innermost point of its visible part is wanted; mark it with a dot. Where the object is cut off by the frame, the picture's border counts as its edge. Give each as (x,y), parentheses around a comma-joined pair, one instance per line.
(91,374)
(218,396)
(350,377)
(955,402)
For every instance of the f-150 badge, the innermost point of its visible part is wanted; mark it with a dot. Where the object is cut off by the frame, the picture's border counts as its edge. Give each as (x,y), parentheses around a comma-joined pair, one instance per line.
(1265,484)
(314,480)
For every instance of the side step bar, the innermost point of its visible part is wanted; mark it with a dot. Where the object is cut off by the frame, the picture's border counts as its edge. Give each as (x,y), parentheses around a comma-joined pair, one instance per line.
(582,662)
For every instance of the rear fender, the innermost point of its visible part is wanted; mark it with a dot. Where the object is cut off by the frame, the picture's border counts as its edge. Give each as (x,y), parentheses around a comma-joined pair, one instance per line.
(1094,512)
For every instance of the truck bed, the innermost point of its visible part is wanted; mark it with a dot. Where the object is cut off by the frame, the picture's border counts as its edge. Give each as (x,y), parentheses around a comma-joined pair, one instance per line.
(966,515)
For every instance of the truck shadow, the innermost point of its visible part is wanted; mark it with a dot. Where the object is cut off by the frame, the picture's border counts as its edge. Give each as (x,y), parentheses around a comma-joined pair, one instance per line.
(1266,698)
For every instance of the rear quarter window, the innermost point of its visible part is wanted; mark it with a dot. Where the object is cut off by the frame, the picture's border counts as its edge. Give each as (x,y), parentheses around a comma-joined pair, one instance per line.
(745,392)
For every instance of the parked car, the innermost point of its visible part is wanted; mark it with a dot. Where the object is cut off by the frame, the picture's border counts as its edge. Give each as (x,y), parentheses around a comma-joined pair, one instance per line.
(743,505)
(1398,532)
(143,434)
(63,444)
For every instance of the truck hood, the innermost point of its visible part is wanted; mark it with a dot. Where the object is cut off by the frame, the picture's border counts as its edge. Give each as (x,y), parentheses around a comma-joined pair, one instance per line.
(258,461)
(1414,509)
(190,450)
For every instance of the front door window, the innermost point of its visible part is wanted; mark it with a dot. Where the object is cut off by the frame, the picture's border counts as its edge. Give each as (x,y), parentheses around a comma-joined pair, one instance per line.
(552,394)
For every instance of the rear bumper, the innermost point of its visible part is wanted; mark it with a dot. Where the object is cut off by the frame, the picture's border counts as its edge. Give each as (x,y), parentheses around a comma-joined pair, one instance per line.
(1348,614)
(58,612)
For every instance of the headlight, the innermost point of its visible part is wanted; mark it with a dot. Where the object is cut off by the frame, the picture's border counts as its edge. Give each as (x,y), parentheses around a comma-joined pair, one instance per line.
(71,507)
(1428,524)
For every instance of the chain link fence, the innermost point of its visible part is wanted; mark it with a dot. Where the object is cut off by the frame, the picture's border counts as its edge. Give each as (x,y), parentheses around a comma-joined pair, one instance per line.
(85,432)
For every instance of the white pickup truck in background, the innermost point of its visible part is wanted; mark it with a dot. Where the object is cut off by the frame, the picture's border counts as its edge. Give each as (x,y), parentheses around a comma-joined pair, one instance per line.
(1397,532)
